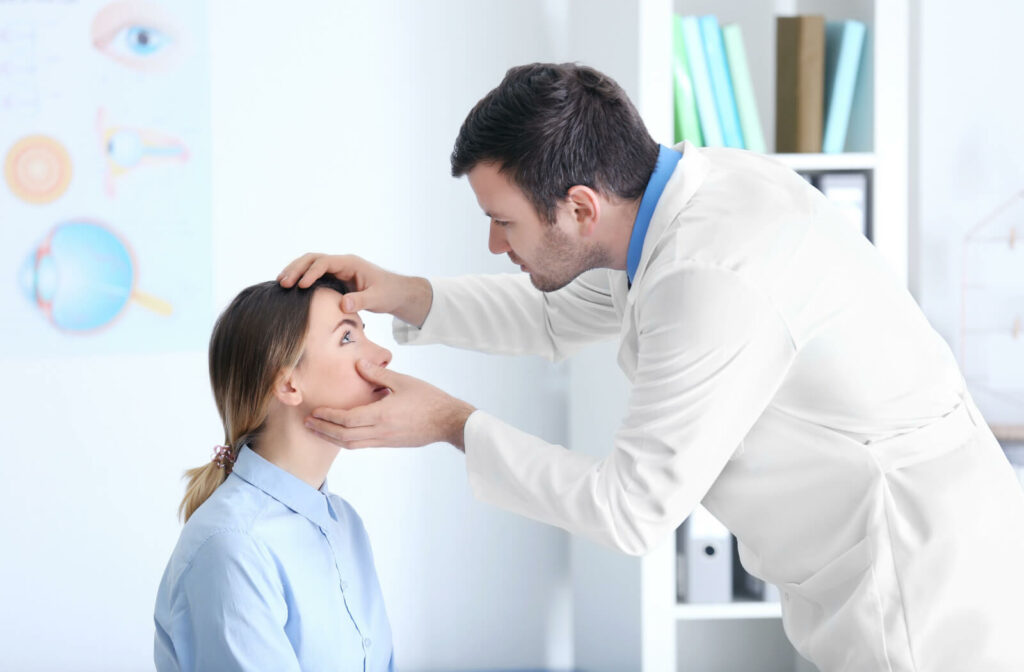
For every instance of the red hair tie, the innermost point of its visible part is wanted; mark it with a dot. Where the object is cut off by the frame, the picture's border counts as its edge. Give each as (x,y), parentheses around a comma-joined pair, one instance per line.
(223,458)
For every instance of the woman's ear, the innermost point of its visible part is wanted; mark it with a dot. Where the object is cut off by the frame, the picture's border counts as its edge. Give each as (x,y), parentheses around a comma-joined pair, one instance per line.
(286,387)
(585,206)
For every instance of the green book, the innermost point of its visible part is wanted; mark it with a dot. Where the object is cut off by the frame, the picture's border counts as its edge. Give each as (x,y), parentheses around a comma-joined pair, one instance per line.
(743,88)
(687,121)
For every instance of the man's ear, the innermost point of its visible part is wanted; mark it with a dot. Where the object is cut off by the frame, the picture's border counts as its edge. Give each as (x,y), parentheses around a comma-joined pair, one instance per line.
(585,206)
(286,387)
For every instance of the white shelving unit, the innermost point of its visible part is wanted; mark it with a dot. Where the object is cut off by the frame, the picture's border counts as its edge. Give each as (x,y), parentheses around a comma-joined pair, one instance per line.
(626,617)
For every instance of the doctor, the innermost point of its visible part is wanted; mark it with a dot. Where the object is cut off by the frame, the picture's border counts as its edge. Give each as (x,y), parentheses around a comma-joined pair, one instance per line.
(780,374)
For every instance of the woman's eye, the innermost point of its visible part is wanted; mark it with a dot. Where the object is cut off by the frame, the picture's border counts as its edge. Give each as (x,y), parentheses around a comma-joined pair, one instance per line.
(347,338)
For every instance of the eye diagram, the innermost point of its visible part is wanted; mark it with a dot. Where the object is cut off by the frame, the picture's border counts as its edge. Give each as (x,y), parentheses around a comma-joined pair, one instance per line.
(82,277)
(128,148)
(38,169)
(138,34)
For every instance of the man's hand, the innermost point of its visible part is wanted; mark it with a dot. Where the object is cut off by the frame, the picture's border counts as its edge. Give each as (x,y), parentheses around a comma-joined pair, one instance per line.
(370,287)
(414,414)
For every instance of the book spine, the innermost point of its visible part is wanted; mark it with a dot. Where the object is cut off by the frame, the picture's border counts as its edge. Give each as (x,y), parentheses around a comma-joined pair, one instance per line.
(746,102)
(721,81)
(800,83)
(844,47)
(706,110)
(687,122)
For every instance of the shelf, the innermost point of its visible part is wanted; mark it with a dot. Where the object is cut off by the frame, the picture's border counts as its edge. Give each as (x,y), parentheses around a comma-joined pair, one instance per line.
(828,162)
(727,611)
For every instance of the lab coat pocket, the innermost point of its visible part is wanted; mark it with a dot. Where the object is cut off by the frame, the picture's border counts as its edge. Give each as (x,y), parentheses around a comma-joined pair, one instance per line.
(831,616)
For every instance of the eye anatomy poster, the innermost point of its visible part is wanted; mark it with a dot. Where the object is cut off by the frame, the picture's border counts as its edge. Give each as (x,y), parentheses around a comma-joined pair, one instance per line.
(105,243)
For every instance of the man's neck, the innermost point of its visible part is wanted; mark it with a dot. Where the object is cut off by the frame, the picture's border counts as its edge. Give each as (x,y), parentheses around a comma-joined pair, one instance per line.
(618,219)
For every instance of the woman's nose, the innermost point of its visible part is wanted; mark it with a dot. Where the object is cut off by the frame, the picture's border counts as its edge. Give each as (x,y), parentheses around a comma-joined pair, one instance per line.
(384,358)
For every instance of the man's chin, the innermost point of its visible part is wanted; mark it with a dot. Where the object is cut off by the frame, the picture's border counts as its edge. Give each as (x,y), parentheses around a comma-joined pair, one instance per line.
(542,284)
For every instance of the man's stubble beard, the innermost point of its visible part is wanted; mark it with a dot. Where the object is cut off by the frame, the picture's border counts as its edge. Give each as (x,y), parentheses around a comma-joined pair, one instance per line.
(563,262)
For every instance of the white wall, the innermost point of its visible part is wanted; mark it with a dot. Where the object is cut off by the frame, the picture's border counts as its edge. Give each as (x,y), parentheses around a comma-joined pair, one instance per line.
(332,123)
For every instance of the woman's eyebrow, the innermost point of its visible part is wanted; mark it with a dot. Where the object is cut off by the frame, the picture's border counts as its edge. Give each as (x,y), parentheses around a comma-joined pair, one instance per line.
(346,320)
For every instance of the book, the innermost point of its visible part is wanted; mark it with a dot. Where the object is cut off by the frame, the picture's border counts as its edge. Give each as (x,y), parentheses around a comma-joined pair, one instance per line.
(844,48)
(799,83)
(706,109)
(687,122)
(721,81)
(743,87)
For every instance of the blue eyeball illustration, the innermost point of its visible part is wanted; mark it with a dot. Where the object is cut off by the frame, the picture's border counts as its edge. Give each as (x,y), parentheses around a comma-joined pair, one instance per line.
(81,276)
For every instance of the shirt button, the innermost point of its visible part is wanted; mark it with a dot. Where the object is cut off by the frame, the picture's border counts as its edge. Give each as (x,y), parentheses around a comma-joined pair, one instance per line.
(367,642)
(344,585)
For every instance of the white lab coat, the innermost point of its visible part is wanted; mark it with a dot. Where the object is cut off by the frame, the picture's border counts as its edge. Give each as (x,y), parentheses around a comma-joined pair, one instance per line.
(783,376)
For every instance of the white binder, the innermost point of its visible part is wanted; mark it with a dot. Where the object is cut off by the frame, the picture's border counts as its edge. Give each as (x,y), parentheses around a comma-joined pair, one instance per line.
(705,559)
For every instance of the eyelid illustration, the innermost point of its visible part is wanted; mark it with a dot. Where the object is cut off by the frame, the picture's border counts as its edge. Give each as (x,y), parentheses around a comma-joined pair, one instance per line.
(139,34)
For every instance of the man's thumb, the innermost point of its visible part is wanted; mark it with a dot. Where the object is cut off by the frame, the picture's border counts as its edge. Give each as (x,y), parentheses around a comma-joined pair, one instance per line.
(367,299)
(375,373)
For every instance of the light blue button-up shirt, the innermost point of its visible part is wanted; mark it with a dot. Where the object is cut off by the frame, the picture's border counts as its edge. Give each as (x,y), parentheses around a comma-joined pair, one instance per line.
(271,574)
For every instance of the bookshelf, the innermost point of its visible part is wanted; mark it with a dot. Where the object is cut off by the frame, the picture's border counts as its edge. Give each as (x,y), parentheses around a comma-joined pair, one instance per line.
(626,616)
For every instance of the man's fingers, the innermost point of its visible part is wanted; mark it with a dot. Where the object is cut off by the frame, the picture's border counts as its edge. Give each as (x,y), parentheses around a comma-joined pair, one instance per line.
(295,269)
(341,436)
(379,375)
(315,271)
(361,416)
(373,443)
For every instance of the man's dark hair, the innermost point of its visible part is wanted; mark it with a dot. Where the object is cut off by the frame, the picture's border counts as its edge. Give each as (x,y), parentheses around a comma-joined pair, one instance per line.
(552,126)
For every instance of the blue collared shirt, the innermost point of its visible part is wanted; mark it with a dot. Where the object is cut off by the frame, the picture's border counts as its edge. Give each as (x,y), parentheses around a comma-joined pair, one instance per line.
(663,169)
(271,574)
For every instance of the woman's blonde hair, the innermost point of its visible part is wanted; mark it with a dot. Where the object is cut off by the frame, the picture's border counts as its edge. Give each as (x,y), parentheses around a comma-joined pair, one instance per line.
(255,338)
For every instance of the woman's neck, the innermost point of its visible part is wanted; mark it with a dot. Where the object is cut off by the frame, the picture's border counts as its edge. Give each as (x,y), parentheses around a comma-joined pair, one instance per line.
(287,443)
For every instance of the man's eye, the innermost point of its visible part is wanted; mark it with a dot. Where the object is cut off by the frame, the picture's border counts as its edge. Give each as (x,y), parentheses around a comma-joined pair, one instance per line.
(500,222)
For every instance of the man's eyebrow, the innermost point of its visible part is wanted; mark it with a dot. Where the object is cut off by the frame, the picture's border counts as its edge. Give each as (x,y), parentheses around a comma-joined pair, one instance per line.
(347,320)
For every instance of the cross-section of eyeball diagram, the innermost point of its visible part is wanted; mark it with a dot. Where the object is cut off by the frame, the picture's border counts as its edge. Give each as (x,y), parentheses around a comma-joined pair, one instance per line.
(38,169)
(139,34)
(82,276)
(126,148)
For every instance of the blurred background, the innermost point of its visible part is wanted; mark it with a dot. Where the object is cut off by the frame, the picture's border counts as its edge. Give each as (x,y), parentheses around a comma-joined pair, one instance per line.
(167,169)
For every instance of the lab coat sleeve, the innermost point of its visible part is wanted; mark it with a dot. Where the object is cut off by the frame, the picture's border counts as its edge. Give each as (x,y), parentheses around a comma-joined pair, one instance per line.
(712,352)
(507,315)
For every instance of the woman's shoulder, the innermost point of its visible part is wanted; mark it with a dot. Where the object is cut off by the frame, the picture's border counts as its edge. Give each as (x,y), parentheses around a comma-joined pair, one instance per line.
(229,516)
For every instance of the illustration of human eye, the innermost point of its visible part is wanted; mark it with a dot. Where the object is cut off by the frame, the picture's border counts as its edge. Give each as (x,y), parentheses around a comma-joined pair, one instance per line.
(137,33)
(139,41)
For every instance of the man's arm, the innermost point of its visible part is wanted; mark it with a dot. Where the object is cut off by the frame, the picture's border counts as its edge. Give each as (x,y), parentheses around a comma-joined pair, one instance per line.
(506,314)
(492,313)
(713,351)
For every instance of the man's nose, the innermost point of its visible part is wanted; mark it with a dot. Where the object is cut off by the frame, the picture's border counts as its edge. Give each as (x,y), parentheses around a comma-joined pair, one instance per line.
(496,242)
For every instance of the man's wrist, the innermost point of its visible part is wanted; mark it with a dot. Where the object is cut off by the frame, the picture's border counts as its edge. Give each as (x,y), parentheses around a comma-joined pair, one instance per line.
(417,306)
(457,420)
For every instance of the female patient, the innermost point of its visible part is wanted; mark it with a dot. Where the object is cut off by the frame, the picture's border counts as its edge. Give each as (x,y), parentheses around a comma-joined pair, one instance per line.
(273,572)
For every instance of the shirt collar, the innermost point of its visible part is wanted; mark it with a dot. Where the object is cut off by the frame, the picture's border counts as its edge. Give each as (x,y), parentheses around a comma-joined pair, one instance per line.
(293,492)
(663,169)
